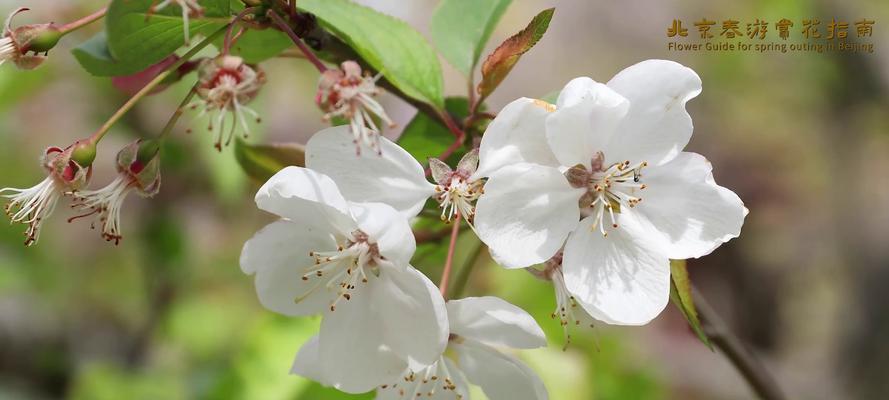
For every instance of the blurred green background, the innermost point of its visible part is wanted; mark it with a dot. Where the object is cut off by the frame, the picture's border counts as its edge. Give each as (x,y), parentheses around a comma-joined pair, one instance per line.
(801,137)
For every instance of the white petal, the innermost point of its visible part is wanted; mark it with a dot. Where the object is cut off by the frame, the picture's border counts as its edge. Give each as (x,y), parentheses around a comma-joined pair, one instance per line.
(355,360)
(517,135)
(278,255)
(501,377)
(413,315)
(308,363)
(293,192)
(387,228)
(657,126)
(619,279)
(526,213)
(684,204)
(394,178)
(493,321)
(587,118)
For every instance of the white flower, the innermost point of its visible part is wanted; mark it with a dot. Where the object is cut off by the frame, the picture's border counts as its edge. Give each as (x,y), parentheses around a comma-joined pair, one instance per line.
(226,85)
(395,177)
(348,261)
(133,175)
(348,94)
(33,205)
(190,8)
(479,326)
(593,160)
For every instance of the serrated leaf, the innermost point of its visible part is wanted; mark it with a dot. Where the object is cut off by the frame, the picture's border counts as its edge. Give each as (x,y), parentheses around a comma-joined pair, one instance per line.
(426,137)
(460,29)
(138,40)
(388,44)
(261,161)
(680,295)
(497,66)
(94,56)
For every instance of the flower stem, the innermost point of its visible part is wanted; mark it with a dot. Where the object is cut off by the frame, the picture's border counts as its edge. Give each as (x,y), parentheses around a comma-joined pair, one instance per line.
(74,25)
(459,137)
(296,40)
(154,82)
(449,261)
(229,37)
(178,113)
(759,379)
(466,270)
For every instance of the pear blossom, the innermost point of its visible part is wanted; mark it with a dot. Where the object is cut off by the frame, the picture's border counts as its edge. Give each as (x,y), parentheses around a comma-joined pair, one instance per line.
(33,205)
(226,85)
(350,262)
(346,93)
(133,175)
(395,177)
(16,44)
(190,8)
(576,174)
(479,326)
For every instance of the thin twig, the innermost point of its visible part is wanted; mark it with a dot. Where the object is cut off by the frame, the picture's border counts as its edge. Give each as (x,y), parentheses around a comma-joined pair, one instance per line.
(756,375)
(227,43)
(466,271)
(296,40)
(80,23)
(449,261)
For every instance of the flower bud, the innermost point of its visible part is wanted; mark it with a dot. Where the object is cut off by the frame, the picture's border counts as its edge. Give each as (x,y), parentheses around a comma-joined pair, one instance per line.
(84,152)
(38,38)
(17,43)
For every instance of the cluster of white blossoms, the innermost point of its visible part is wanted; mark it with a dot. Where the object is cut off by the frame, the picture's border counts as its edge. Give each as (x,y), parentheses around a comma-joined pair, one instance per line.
(559,185)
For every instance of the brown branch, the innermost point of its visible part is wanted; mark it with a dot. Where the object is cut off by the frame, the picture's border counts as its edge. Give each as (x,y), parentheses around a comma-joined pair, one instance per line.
(756,375)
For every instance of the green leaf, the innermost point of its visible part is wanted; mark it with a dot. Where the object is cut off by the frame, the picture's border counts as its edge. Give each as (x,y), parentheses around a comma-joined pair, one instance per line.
(426,137)
(255,46)
(388,44)
(680,295)
(497,66)
(138,40)
(94,56)
(460,29)
(261,161)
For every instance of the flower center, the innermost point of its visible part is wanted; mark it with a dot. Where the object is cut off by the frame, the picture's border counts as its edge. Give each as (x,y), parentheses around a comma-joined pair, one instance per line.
(609,189)
(457,196)
(343,269)
(425,383)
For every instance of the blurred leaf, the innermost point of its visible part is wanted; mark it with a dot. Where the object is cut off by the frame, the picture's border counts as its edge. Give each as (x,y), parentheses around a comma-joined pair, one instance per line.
(94,56)
(388,44)
(101,381)
(255,46)
(261,161)
(137,40)
(460,29)
(426,137)
(680,295)
(497,66)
